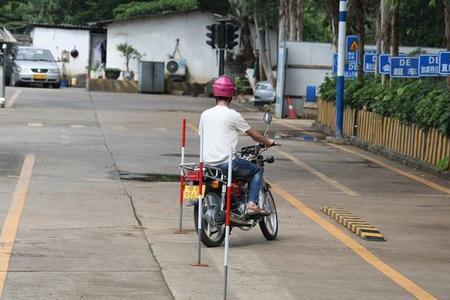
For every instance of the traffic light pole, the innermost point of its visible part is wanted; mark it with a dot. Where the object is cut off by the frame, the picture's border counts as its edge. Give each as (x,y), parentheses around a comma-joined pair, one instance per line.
(221,62)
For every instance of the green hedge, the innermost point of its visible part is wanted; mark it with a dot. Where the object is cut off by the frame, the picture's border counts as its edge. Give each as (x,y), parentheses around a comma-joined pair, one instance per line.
(425,102)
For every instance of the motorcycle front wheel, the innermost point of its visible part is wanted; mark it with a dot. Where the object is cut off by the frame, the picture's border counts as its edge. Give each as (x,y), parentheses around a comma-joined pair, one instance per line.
(212,234)
(269,223)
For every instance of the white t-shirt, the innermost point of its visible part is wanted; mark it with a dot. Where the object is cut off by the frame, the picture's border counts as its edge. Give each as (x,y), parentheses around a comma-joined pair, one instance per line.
(221,126)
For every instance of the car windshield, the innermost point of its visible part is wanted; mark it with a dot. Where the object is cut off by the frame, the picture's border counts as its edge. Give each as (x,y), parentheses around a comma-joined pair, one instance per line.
(34,55)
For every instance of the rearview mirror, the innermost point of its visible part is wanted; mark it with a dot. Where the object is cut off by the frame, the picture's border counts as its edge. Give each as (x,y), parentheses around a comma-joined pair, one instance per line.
(267,118)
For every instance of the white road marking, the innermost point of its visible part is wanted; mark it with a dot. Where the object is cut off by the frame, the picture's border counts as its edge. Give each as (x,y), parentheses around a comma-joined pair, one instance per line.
(12,100)
(76,126)
(34,124)
(118,127)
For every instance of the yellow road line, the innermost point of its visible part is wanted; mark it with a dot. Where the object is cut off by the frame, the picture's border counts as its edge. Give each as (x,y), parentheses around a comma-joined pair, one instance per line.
(9,230)
(322,176)
(357,248)
(396,170)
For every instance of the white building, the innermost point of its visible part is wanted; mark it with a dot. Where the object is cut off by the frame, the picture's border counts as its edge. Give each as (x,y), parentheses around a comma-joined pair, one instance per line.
(155,38)
(63,40)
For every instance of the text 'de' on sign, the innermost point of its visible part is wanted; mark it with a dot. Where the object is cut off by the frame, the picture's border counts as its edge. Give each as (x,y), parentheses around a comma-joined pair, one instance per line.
(404,67)
(429,65)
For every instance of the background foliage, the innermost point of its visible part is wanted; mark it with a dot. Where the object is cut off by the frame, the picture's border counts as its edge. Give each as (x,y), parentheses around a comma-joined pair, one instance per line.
(317,21)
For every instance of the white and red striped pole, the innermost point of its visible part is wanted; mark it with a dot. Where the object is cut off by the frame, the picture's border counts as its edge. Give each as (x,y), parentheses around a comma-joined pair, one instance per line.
(183,146)
(200,206)
(227,224)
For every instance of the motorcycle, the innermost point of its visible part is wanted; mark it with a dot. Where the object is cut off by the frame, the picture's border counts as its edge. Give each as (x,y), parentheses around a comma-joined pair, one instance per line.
(214,200)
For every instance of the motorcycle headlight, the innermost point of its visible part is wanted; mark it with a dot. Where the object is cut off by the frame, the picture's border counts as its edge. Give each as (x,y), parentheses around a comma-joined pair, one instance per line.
(54,71)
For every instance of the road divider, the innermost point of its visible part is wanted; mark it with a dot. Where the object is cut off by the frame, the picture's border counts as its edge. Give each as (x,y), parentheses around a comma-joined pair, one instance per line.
(354,223)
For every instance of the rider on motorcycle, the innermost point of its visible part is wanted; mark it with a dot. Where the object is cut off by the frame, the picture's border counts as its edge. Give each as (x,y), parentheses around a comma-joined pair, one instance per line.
(221,125)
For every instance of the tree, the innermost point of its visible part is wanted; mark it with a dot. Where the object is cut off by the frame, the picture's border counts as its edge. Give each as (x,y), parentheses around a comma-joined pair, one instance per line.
(128,52)
(359,7)
(446,5)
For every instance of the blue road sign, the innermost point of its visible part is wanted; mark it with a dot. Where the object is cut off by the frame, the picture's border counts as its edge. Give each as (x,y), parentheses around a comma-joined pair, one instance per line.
(370,62)
(384,66)
(352,47)
(429,65)
(444,63)
(404,67)
(351,69)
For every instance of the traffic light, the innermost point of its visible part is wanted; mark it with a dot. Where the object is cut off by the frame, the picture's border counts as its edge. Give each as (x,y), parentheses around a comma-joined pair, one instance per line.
(232,36)
(221,36)
(212,35)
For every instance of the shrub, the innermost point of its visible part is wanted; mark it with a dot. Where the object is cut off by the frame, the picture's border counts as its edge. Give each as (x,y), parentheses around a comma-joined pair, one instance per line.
(425,102)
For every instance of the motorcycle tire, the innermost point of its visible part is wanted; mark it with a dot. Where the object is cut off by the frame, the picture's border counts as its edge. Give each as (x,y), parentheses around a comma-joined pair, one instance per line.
(216,234)
(269,224)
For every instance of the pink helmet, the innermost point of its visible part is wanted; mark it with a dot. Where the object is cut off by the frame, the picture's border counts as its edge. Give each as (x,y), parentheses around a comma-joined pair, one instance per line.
(224,87)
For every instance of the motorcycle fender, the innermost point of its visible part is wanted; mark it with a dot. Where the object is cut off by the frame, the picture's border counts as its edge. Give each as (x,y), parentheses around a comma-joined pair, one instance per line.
(268,186)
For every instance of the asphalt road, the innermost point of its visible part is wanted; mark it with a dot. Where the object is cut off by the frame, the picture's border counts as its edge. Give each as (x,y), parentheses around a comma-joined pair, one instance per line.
(73,229)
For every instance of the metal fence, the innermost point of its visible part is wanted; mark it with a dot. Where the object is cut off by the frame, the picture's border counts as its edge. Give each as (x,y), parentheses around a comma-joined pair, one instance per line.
(427,145)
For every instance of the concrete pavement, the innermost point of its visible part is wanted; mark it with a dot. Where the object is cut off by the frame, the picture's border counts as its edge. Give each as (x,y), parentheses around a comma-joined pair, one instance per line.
(80,235)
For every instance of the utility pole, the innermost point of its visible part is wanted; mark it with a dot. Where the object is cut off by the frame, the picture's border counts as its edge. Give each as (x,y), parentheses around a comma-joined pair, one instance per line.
(341,68)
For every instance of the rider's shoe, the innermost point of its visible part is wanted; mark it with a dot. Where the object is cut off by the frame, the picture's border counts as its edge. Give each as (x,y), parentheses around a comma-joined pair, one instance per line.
(254,209)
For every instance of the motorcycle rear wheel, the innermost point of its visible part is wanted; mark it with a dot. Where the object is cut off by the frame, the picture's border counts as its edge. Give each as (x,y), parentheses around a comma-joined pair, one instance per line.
(269,224)
(212,235)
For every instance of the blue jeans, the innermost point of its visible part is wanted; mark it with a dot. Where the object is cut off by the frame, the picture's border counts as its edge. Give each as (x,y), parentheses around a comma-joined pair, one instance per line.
(244,168)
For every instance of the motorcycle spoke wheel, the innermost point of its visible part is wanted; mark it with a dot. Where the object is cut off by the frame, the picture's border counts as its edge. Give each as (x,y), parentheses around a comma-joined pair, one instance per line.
(212,235)
(269,224)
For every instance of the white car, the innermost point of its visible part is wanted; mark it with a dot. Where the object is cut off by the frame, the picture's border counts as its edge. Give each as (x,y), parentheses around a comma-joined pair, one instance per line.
(265,93)
(28,65)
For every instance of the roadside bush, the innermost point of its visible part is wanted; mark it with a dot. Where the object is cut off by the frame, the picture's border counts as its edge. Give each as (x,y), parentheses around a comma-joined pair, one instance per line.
(425,102)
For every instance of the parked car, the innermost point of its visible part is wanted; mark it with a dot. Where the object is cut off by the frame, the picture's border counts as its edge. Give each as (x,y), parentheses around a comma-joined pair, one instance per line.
(27,65)
(264,93)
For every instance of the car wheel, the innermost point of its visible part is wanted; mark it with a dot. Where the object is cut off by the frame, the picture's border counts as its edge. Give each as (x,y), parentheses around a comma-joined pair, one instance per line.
(56,85)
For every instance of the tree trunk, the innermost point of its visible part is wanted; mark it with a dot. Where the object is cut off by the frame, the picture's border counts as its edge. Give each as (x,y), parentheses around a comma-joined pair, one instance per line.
(446,6)
(378,37)
(395,43)
(292,13)
(263,54)
(246,39)
(300,19)
(361,33)
(333,9)
(282,22)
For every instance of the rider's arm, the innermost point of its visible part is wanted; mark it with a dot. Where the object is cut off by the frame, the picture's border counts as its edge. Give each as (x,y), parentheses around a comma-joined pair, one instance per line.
(258,137)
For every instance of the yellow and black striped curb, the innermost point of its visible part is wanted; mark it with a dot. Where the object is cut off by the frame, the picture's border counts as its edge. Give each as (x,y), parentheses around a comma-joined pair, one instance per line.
(354,223)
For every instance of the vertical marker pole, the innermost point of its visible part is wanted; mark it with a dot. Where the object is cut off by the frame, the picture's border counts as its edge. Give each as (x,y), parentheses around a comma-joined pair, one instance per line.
(341,67)
(200,207)
(183,146)
(227,224)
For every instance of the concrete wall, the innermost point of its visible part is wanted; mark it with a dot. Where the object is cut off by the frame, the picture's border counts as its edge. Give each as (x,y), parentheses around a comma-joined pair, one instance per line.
(156,37)
(57,40)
